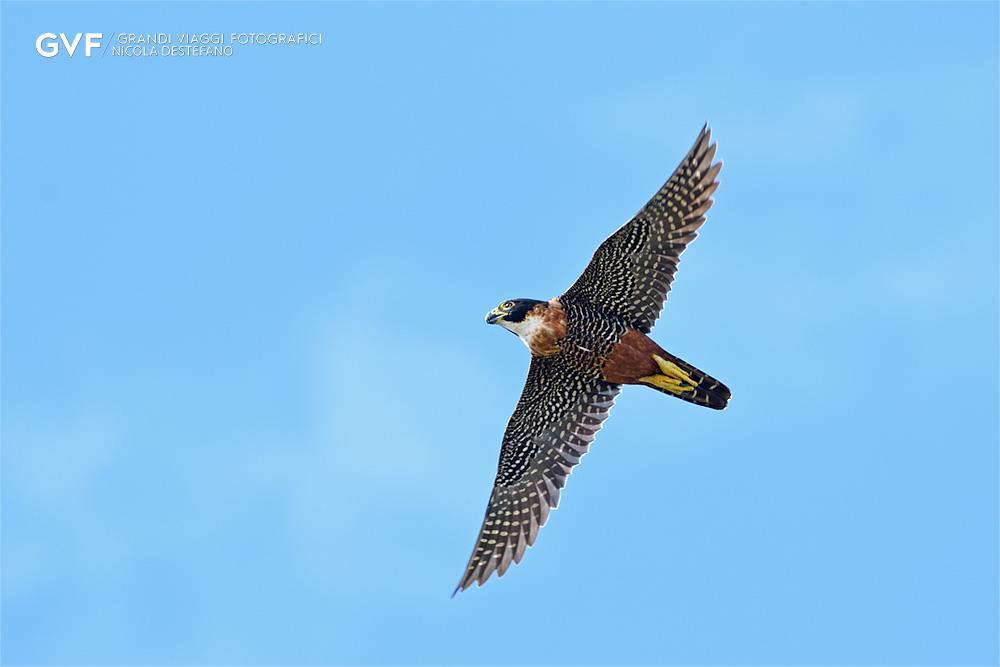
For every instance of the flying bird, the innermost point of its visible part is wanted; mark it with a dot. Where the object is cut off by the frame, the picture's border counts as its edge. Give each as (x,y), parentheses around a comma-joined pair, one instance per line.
(584,346)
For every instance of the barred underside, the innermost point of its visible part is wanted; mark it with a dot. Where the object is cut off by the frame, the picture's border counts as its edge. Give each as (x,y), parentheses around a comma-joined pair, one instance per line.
(631,272)
(565,399)
(556,419)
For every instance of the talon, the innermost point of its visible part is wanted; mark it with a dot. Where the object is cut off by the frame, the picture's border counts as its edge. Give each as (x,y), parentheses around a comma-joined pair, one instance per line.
(672,370)
(674,379)
(668,384)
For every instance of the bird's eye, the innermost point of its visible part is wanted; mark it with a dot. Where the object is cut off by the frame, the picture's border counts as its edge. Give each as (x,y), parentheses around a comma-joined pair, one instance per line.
(507,305)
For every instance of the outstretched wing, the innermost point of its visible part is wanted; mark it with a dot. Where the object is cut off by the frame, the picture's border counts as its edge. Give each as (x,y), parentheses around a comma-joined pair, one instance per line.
(556,419)
(631,272)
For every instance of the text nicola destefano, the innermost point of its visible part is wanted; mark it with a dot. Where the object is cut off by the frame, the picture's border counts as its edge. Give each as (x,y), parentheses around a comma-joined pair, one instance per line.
(204,43)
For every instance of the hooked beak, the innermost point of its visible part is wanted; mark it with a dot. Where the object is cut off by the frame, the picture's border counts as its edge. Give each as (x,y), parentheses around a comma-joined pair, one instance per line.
(494,316)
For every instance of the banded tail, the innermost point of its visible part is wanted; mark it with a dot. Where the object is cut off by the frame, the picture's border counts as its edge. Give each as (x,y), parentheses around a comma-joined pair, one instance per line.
(679,378)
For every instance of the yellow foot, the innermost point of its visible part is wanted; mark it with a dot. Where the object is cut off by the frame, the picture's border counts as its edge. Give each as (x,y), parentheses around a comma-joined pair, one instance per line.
(673,378)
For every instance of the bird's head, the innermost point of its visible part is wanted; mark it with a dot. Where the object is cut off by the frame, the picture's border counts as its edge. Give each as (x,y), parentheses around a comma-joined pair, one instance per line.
(513,314)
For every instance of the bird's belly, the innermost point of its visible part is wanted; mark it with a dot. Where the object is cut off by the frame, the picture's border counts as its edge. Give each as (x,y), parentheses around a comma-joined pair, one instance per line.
(631,358)
(582,354)
(591,335)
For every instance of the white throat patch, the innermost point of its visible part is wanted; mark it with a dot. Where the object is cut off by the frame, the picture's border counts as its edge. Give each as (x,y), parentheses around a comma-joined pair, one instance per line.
(526,328)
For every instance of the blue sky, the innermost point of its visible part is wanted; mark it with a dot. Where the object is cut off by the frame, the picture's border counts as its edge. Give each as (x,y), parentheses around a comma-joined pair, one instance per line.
(251,412)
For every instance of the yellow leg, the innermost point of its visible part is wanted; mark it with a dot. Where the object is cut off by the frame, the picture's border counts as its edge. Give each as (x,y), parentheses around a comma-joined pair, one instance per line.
(673,378)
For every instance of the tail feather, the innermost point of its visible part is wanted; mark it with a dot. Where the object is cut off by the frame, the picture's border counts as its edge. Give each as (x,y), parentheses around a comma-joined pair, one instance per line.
(679,378)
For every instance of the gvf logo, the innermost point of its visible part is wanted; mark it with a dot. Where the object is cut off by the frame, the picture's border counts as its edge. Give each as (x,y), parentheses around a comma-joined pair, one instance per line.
(47,44)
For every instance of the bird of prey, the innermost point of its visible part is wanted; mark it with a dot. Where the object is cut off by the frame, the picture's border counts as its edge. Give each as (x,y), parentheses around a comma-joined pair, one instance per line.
(584,346)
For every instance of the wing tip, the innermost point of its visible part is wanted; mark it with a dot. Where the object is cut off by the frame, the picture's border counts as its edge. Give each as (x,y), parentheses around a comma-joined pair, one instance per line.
(465,583)
(462,584)
(704,140)
(703,151)
(706,132)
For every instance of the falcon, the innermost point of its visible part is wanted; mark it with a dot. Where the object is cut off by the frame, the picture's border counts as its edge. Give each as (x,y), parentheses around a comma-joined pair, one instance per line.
(584,346)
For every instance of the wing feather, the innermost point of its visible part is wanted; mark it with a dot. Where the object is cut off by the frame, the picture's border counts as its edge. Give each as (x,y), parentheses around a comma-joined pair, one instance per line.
(556,419)
(632,271)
